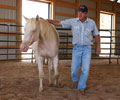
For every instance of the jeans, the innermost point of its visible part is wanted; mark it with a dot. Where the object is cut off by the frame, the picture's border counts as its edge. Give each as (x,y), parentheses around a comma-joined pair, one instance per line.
(81,55)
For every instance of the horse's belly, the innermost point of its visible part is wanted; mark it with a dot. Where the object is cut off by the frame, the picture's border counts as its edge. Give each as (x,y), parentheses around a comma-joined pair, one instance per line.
(45,51)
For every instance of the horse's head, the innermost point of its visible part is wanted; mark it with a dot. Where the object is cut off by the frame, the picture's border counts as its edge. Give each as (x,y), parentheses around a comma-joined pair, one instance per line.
(31,33)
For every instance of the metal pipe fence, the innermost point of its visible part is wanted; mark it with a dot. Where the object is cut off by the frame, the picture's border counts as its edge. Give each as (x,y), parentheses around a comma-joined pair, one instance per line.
(10,41)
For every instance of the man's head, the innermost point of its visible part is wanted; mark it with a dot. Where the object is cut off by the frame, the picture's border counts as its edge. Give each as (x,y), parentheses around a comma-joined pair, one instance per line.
(82,12)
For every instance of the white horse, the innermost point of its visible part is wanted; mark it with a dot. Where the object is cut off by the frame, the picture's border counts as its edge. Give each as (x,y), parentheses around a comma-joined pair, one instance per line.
(44,40)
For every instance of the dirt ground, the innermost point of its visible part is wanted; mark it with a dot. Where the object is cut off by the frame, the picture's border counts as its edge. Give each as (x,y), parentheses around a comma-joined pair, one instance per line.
(19,81)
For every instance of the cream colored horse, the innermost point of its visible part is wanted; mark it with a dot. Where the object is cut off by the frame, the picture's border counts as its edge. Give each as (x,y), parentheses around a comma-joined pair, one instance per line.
(44,40)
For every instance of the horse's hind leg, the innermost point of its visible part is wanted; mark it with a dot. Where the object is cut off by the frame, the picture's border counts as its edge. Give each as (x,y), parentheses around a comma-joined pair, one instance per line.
(50,68)
(56,73)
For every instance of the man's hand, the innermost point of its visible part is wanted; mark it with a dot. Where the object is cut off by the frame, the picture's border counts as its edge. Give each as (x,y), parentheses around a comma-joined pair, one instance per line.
(98,50)
(98,44)
(54,22)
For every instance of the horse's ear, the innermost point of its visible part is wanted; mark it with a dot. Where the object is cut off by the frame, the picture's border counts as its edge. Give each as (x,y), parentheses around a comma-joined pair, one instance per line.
(37,17)
(25,18)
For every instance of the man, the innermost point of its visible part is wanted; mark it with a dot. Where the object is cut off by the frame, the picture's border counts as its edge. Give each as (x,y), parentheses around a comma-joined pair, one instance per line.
(83,30)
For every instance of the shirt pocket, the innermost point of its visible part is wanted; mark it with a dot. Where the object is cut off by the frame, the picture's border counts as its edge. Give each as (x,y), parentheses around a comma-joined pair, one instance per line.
(88,31)
(75,32)
(76,29)
(88,35)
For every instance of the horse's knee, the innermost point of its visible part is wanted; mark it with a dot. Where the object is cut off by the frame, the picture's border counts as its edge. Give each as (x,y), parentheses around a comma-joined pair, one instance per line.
(41,76)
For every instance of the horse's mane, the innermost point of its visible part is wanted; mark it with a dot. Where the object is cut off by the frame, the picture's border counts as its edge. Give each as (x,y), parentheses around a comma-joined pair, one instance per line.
(47,30)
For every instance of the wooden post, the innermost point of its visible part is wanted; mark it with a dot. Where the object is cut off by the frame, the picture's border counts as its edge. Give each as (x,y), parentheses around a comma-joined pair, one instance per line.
(114,27)
(98,14)
(19,22)
(53,9)
(77,5)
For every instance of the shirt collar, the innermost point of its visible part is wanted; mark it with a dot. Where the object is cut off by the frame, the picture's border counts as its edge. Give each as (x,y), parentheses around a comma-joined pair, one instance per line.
(84,21)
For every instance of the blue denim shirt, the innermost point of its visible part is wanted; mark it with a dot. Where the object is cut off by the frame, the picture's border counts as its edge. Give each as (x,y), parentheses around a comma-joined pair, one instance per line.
(82,32)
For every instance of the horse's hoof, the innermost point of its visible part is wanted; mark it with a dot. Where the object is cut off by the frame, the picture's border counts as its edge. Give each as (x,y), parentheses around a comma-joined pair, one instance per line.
(58,85)
(40,89)
(56,82)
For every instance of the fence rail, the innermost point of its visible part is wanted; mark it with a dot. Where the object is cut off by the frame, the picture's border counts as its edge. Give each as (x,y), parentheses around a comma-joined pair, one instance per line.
(10,41)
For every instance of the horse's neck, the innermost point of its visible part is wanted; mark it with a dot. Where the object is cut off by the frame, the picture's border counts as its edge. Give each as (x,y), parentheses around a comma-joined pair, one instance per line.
(48,36)
(45,30)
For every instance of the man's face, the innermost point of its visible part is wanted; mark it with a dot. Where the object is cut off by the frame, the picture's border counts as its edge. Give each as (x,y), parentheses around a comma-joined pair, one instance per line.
(82,15)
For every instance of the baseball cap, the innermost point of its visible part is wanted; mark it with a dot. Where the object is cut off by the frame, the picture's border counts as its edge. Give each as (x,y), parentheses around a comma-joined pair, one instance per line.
(83,8)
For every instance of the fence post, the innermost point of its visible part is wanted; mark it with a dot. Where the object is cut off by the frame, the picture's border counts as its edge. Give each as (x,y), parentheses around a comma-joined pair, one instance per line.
(7,39)
(110,47)
(67,46)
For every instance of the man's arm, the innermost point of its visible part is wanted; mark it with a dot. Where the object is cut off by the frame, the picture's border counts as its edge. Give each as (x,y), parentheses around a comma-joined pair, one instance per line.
(54,22)
(97,37)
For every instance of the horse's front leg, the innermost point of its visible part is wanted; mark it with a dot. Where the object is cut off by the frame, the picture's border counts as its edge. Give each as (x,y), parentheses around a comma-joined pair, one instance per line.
(56,73)
(41,73)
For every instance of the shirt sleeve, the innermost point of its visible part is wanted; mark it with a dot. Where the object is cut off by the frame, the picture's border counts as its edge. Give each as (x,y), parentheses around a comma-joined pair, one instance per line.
(67,23)
(95,30)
